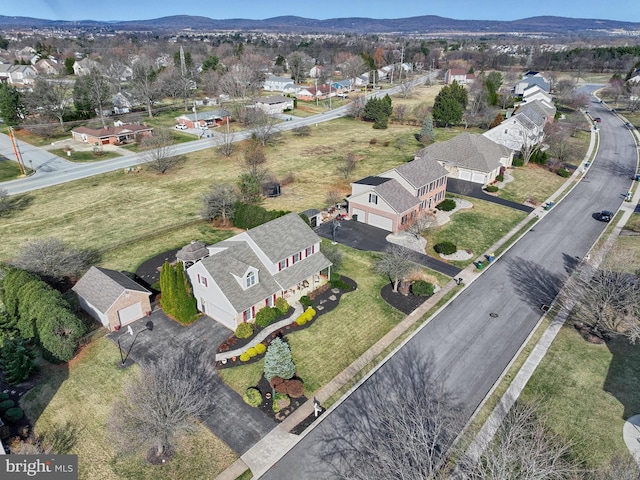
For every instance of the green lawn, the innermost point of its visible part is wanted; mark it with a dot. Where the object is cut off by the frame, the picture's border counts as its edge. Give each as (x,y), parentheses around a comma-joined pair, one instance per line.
(475,229)
(82,392)
(9,170)
(531,182)
(587,391)
(83,156)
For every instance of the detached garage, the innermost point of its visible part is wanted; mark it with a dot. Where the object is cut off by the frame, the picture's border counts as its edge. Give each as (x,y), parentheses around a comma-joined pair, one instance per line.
(112,298)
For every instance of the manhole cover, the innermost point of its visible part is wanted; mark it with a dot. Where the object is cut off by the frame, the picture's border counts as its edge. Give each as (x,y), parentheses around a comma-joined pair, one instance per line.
(493,315)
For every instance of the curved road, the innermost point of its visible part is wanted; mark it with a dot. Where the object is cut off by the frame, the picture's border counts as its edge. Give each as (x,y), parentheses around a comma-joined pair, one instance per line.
(469,348)
(53,170)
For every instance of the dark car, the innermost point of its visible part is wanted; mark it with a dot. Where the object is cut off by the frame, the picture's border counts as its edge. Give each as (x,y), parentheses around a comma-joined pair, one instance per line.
(604,216)
(597,120)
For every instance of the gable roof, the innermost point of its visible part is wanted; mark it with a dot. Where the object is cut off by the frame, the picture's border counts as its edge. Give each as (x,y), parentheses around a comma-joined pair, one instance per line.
(396,196)
(467,150)
(269,236)
(192,252)
(534,112)
(218,114)
(101,287)
(421,171)
(111,131)
(274,100)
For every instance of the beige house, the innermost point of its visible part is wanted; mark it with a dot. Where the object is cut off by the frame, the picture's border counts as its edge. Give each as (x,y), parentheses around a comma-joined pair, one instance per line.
(112,298)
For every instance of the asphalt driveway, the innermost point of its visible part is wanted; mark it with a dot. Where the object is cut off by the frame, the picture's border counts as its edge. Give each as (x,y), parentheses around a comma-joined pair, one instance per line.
(232,420)
(365,237)
(471,189)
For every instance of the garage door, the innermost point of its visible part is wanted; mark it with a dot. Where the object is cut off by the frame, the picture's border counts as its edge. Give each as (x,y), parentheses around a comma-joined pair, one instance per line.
(464,174)
(357,215)
(130,313)
(478,178)
(380,222)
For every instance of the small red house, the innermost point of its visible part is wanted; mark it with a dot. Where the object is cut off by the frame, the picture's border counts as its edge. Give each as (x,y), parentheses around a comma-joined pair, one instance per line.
(111,135)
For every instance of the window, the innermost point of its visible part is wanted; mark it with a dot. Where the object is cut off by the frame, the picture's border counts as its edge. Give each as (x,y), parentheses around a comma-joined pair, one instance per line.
(248,314)
(269,301)
(373,198)
(282,265)
(404,220)
(308,251)
(296,257)
(431,186)
(250,279)
(202,280)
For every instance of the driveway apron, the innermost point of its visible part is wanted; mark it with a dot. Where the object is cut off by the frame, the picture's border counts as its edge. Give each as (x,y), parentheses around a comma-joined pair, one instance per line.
(232,420)
(471,189)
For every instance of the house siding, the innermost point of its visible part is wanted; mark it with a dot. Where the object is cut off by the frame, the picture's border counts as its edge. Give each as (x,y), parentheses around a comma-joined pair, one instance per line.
(127,299)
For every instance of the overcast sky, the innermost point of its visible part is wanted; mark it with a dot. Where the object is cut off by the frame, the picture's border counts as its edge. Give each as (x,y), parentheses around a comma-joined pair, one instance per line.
(626,10)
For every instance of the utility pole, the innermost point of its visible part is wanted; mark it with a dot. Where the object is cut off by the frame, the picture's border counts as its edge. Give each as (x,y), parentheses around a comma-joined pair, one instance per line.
(16,150)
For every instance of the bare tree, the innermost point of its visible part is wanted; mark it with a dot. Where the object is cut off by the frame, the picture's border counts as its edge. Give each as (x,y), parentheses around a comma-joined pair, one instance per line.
(400,112)
(406,88)
(92,94)
(299,63)
(419,224)
(526,449)
(219,202)
(264,127)
(347,165)
(254,157)
(605,299)
(400,426)
(333,198)
(53,259)
(145,83)
(633,97)
(395,263)
(556,137)
(52,98)
(158,151)
(163,403)
(356,106)
(227,144)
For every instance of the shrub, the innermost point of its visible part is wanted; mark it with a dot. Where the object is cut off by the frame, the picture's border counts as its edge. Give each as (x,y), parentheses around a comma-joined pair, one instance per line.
(6,405)
(301,320)
(306,301)
(294,388)
(539,157)
(447,205)
(491,188)
(280,401)
(336,282)
(421,288)
(13,415)
(563,172)
(266,316)
(282,305)
(500,178)
(518,162)
(373,141)
(260,348)
(446,248)
(252,396)
(386,143)
(244,330)
(4,396)
(244,357)
(252,352)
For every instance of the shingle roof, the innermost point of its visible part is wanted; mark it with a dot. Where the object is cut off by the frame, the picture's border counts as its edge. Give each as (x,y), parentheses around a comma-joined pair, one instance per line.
(270,236)
(192,252)
(211,115)
(111,131)
(396,196)
(102,287)
(234,262)
(302,270)
(467,150)
(274,100)
(421,171)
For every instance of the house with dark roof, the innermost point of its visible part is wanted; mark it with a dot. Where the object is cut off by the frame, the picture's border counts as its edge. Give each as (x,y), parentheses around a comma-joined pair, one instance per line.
(249,271)
(470,157)
(111,135)
(111,297)
(274,104)
(211,118)
(525,128)
(391,200)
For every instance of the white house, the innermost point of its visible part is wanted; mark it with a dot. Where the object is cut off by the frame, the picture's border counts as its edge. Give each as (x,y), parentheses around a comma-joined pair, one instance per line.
(525,128)
(458,75)
(249,271)
(274,104)
(277,84)
(530,79)
(18,75)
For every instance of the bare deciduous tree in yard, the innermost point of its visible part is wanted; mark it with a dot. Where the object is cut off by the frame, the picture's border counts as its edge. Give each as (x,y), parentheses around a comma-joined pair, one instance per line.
(421,223)
(400,427)
(395,263)
(218,202)
(158,151)
(347,165)
(162,404)
(227,144)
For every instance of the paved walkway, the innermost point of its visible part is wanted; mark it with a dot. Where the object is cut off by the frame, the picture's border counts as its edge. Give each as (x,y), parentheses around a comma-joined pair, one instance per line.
(631,434)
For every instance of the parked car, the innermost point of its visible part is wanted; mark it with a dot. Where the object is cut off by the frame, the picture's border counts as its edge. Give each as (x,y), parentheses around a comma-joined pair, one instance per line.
(597,120)
(604,216)
(181,126)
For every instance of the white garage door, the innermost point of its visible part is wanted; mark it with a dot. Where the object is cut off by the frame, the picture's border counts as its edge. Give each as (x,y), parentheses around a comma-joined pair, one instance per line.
(130,313)
(478,178)
(380,222)
(464,174)
(359,214)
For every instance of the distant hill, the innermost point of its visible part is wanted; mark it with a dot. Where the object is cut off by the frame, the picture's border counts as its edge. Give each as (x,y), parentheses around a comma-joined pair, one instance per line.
(423,24)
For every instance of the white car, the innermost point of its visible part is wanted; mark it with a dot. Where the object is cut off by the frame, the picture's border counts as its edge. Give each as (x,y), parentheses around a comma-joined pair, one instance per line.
(181,126)
(204,127)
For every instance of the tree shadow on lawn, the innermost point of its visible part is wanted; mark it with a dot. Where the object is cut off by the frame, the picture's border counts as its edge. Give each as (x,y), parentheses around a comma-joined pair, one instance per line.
(622,379)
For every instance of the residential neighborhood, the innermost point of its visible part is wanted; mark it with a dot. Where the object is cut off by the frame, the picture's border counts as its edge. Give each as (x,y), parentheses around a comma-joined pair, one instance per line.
(241,253)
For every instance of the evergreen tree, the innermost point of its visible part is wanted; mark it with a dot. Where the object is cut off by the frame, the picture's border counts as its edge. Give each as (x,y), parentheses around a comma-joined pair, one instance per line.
(17,361)
(186,307)
(278,361)
(11,107)
(59,331)
(458,92)
(14,280)
(446,111)
(167,288)
(378,110)
(427,135)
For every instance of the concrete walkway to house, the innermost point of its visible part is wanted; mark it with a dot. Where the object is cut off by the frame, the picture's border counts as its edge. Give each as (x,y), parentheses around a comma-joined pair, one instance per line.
(631,434)
(297,311)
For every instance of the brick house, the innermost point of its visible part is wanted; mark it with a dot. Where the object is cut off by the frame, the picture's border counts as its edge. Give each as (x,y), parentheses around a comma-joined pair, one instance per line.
(111,135)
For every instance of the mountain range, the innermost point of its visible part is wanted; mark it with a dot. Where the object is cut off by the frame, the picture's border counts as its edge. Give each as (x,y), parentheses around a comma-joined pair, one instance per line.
(428,24)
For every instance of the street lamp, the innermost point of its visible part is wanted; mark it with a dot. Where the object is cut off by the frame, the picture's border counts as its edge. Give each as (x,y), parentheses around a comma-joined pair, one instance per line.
(123,360)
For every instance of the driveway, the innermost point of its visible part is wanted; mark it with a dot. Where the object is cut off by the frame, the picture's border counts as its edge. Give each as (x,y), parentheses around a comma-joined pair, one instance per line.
(236,423)
(365,237)
(471,189)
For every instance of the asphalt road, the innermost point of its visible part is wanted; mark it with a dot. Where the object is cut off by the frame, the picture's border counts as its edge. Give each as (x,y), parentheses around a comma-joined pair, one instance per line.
(468,348)
(52,170)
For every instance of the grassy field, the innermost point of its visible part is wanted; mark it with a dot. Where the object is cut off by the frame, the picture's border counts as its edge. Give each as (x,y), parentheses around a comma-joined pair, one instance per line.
(475,229)
(82,392)
(83,156)
(531,182)
(9,170)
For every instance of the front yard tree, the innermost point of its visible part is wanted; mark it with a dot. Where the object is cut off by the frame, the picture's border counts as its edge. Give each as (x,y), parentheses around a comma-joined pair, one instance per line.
(158,151)
(92,94)
(606,300)
(163,404)
(348,164)
(278,361)
(395,263)
(218,203)
(11,107)
(427,135)
(51,99)
(446,110)
(299,63)
(145,83)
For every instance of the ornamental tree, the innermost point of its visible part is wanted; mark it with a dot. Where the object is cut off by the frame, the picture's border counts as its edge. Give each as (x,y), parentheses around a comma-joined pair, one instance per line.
(278,361)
